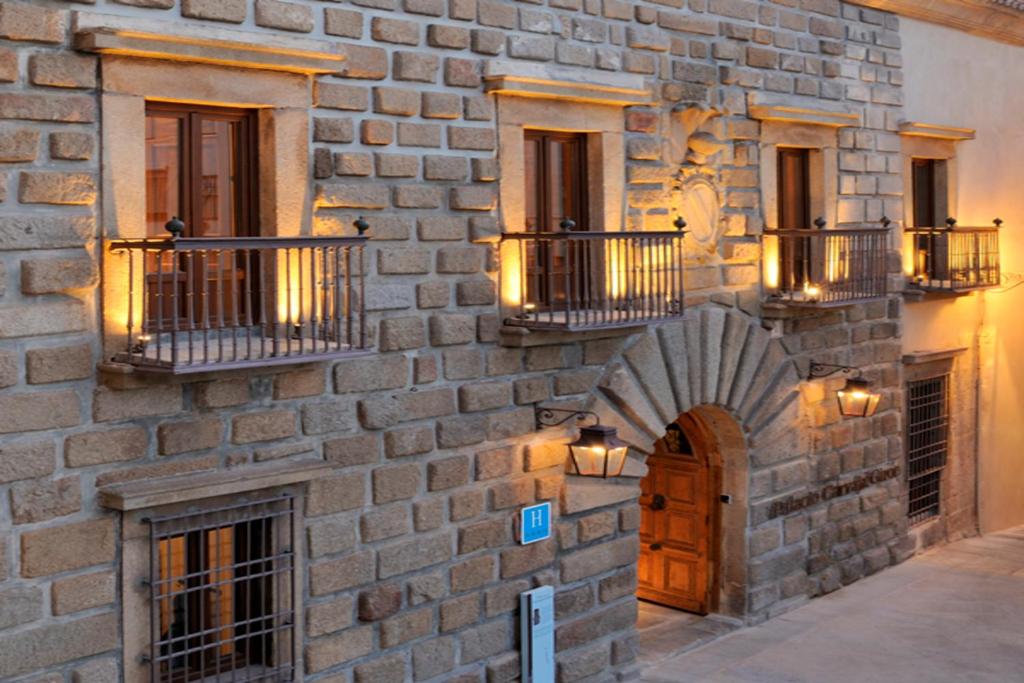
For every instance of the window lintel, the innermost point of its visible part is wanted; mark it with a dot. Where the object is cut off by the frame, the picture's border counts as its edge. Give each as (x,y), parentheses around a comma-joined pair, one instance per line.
(134,37)
(183,488)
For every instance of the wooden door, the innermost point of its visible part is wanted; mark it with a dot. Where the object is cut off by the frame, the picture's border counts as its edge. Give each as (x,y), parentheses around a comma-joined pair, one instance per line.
(676,525)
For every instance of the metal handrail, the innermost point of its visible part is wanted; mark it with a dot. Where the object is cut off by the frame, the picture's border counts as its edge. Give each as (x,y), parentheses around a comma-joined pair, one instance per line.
(579,280)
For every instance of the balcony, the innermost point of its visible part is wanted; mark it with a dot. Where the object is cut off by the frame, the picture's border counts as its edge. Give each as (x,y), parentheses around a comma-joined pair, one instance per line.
(578,280)
(200,304)
(953,258)
(820,268)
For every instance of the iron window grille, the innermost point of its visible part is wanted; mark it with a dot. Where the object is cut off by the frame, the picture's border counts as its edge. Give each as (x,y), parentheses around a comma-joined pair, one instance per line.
(927,445)
(221,594)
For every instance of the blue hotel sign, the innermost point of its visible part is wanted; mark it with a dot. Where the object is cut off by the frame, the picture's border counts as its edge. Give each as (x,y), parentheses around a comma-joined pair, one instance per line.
(535,523)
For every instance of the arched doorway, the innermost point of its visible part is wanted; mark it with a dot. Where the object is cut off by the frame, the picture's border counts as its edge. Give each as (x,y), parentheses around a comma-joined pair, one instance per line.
(677,526)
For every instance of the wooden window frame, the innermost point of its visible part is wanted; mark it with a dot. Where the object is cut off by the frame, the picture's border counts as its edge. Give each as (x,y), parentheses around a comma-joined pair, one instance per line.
(578,191)
(190,179)
(928,189)
(796,263)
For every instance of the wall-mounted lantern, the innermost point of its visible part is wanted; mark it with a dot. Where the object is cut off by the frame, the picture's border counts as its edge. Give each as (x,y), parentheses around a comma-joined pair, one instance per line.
(856,398)
(597,452)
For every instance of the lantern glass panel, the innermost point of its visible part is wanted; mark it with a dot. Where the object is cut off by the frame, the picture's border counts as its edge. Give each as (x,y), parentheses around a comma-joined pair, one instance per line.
(857,400)
(598,452)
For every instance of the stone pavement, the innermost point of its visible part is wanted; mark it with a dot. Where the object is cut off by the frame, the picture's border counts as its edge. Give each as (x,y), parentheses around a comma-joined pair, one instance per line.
(953,614)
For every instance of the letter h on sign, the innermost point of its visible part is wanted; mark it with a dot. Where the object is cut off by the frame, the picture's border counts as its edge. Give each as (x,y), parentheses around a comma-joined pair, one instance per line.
(535,523)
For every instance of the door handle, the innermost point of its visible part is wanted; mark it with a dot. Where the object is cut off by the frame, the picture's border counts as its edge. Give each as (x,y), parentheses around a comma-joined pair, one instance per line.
(658,502)
(656,545)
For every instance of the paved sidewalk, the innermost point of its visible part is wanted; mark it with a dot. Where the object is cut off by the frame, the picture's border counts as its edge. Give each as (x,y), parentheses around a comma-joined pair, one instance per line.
(954,614)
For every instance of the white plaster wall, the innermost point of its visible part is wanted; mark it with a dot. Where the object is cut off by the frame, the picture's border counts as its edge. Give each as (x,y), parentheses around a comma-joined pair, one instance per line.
(956,79)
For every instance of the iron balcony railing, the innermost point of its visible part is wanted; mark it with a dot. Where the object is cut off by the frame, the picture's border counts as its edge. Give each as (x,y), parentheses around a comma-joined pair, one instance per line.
(197,304)
(820,268)
(953,258)
(578,280)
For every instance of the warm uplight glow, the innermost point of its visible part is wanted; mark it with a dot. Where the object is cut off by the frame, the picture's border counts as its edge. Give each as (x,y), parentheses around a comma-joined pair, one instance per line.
(771,262)
(512,281)
(811,291)
(909,255)
(598,452)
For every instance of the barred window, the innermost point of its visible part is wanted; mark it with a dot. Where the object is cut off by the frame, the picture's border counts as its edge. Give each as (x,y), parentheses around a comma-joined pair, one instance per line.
(927,444)
(221,591)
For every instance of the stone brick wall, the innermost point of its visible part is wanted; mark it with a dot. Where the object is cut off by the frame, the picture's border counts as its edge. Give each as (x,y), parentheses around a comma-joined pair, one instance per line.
(413,571)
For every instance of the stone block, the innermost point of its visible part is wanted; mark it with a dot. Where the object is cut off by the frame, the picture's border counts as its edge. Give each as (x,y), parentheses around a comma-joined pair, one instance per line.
(338,96)
(494,463)
(325,417)
(82,592)
(40,648)
(328,495)
(38,411)
(18,144)
(399,334)
(288,16)
(44,107)
(343,22)
(436,167)
(127,404)
(440,105)
(433,658)
(20,605)
(24,21)
(42,318)
(461,431)
(44,499)
(231,11)
(466,73)
(331,576)
(353,450)
(428,515)
(222,393)
(403,261)
(593,626)
(418,553)
(396,482)
(398,31)
(618,585)
(61,70)
(419,134)
(386,522)
(405,627)
(512,494)
(599,559)
(189,435)
(58,364)
(485,641)
(452,328)
(447,473)
(371,373)
(527,558)
(459,612)
(417,196)
(8,361)
(331,537)
(480,292)
(330,651)
(379,602)
(69,546)
(388,669)
(96,448)
(465,505)
(266,425)
(415,66)
(323,618)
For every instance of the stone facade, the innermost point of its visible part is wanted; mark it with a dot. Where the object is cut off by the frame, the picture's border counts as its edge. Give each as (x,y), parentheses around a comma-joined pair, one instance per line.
(412,571)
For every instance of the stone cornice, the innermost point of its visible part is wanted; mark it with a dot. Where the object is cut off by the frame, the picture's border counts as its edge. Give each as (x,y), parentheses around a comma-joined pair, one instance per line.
(929,130)
(931,355)
(562,83)
(799,114)
(112,35)
(986,18)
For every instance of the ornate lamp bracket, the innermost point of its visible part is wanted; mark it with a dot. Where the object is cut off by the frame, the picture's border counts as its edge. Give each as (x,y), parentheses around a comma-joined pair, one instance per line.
(547,417)
(818,370)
